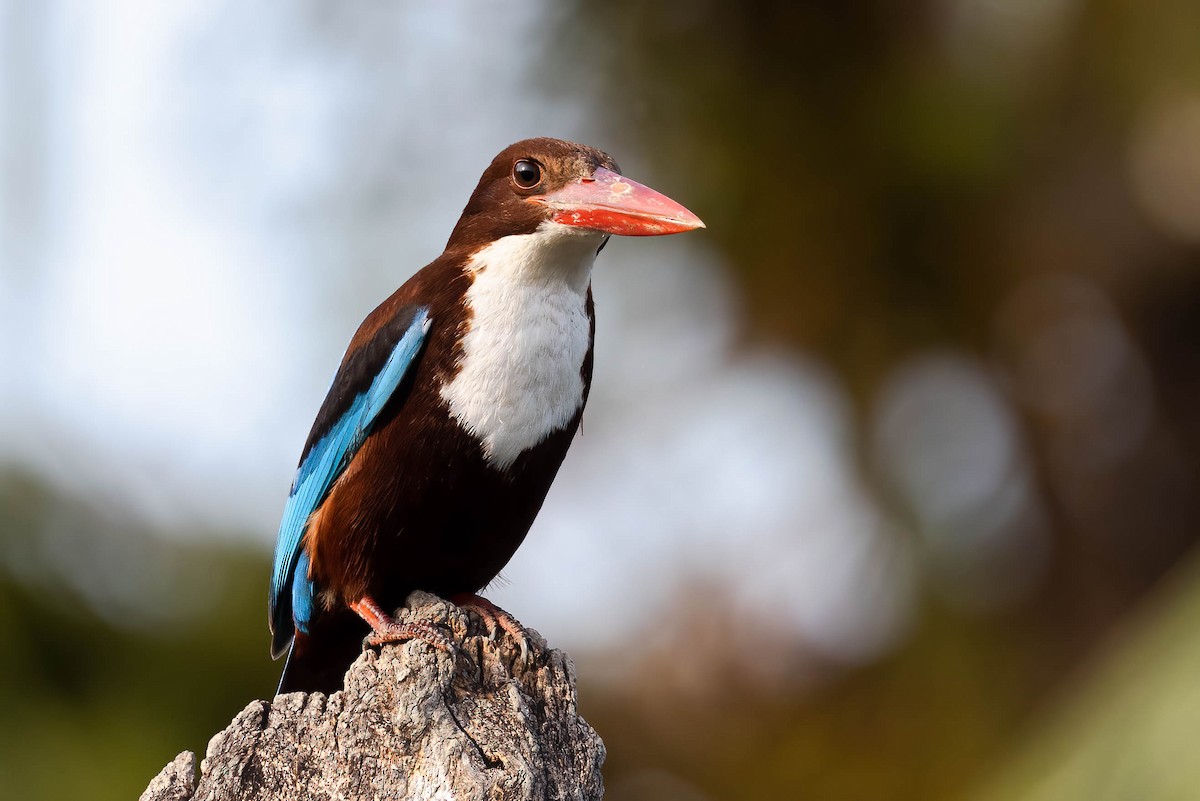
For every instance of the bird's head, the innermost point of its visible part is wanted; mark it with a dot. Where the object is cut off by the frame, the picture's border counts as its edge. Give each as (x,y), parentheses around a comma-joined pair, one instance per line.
(549,183)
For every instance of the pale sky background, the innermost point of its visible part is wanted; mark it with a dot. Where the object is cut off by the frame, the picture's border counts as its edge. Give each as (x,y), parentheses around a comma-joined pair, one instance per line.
(203,202)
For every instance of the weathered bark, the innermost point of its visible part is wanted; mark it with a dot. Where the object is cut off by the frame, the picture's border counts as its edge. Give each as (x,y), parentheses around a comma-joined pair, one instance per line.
(412,723)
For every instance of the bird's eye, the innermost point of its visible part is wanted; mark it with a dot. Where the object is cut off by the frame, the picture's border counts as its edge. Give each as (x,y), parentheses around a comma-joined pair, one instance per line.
(527,174)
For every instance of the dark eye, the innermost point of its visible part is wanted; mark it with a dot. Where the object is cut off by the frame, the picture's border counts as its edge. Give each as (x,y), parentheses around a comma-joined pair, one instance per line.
(527,174)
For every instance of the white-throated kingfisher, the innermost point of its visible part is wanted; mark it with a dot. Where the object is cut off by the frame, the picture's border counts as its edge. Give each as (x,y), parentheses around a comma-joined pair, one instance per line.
(452,409)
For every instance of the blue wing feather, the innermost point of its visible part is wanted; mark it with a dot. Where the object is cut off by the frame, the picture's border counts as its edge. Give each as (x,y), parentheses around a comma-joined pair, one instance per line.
(292,592)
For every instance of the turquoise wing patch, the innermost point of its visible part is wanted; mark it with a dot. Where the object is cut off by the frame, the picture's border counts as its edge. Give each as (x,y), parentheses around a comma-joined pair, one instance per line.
(292,593)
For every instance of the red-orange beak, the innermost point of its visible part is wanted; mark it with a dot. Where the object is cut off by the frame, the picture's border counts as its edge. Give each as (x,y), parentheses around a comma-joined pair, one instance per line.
(613,204)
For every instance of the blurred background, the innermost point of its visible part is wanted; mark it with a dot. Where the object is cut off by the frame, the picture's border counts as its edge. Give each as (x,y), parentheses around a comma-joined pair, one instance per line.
(889,485)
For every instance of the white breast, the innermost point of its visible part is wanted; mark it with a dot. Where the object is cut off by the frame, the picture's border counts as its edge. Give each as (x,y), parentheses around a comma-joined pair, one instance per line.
(519,376)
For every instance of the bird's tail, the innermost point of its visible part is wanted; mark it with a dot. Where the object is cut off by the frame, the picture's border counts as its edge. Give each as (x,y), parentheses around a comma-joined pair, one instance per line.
(317,661)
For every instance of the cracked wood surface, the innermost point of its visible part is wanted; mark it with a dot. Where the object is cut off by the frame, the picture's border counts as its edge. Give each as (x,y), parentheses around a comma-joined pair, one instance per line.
(412,723)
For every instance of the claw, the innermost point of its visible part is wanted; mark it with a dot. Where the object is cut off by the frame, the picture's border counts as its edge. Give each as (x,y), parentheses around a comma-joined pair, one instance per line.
(494,617)
(385,628)
(401,632)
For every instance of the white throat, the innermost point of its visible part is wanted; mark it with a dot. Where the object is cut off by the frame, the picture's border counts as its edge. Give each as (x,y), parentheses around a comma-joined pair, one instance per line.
(528,333)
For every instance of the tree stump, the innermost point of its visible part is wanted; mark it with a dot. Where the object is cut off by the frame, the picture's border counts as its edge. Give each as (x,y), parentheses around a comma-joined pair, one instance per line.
(412,723)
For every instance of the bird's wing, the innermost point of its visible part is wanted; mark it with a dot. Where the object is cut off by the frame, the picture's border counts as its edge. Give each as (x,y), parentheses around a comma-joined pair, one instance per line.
(364,384)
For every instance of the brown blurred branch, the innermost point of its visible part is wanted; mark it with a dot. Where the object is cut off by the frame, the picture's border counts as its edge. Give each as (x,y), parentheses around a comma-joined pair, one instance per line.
(412,723)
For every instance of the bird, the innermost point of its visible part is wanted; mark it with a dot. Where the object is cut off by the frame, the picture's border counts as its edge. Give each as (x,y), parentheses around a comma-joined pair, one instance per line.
(451,411)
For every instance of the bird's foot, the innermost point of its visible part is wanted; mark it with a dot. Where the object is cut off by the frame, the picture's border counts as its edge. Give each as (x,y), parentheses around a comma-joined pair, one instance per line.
(495,618)
(401,632)
(385,628)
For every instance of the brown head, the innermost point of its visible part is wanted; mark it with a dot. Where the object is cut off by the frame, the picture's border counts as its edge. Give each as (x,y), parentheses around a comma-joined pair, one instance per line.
(543,181)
